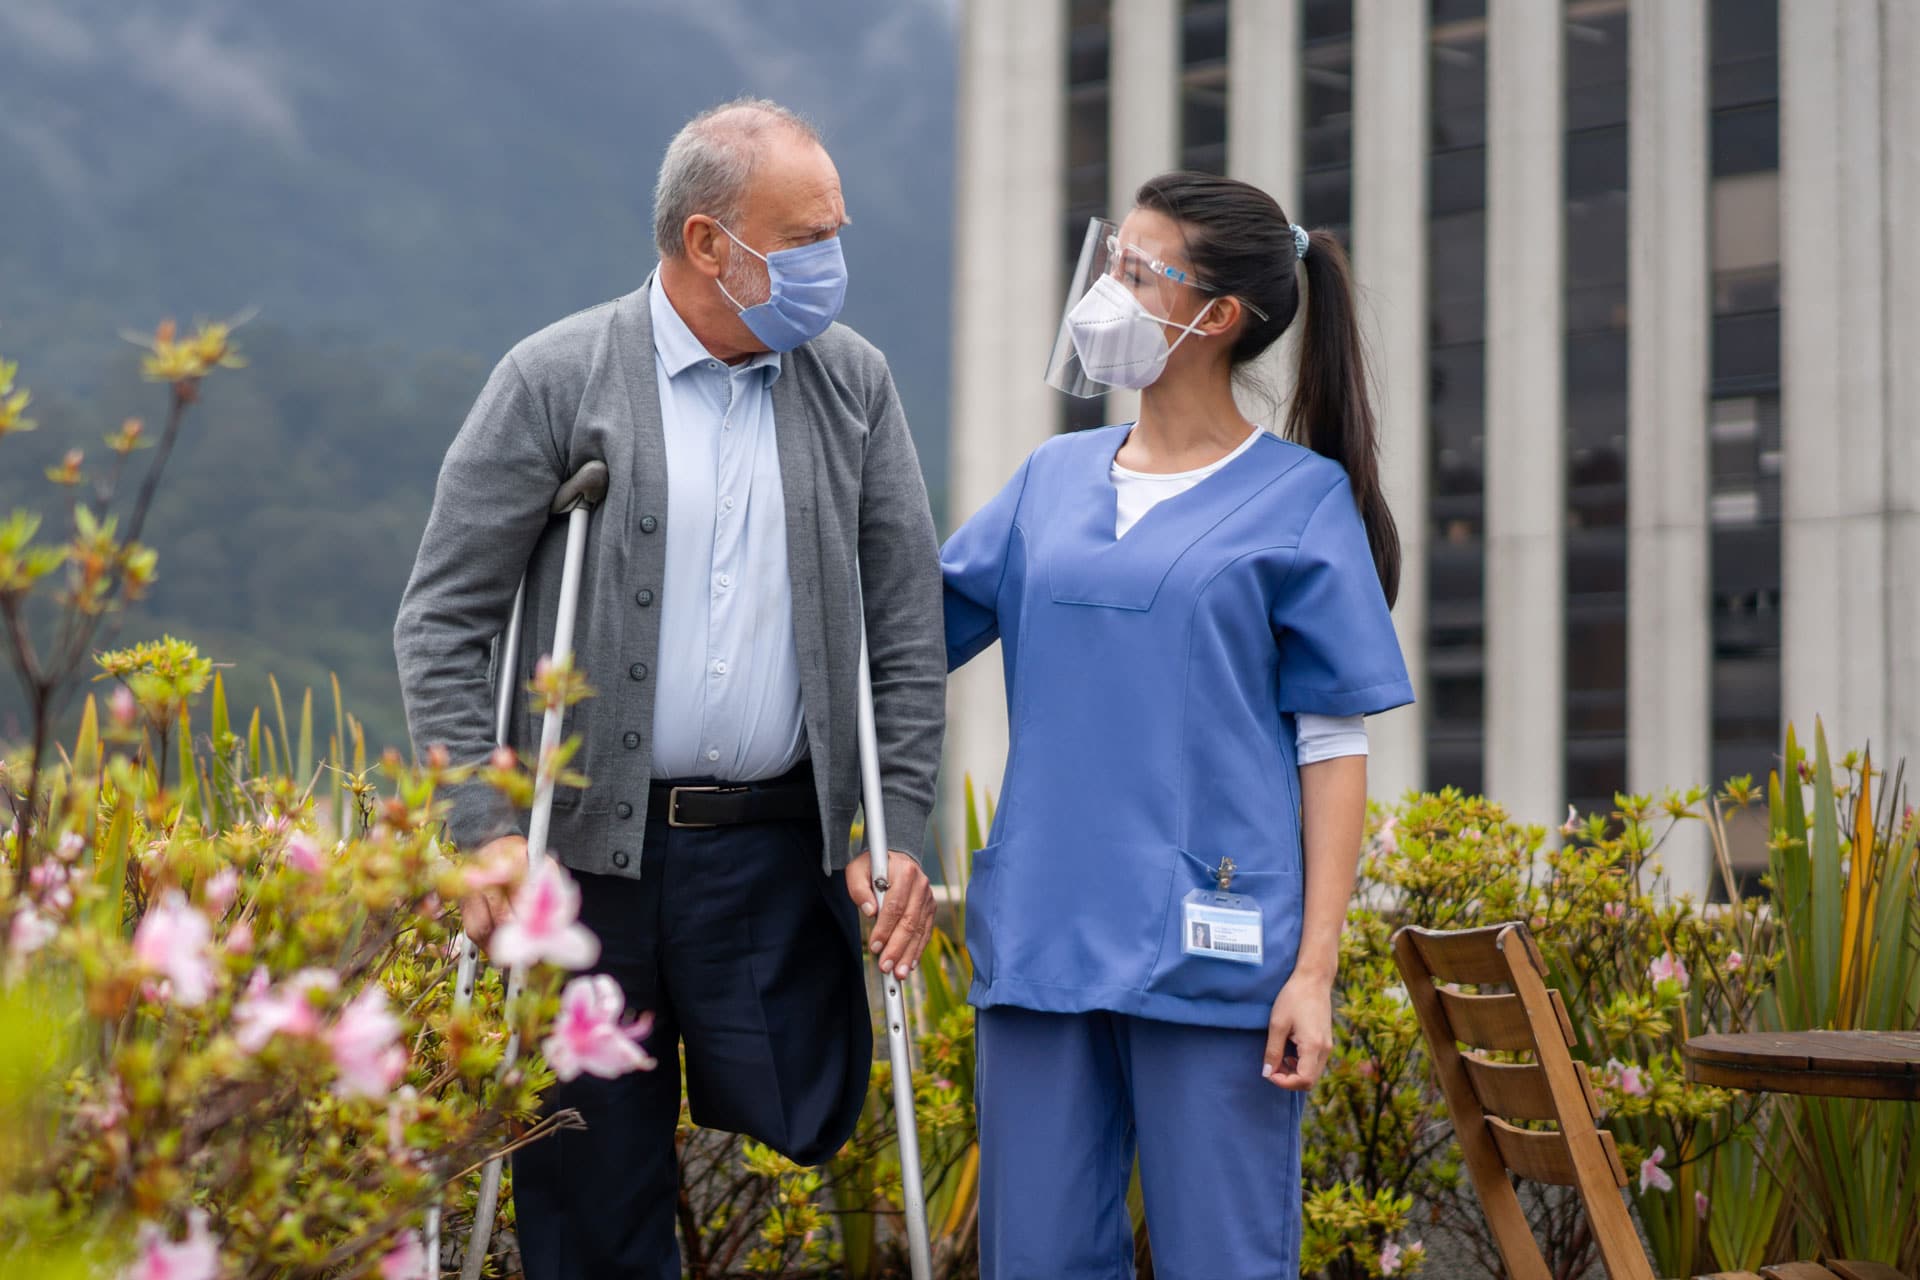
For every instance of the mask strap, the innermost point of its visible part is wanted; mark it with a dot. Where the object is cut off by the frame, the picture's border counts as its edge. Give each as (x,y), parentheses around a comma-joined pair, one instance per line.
(1188,329)
(737,304)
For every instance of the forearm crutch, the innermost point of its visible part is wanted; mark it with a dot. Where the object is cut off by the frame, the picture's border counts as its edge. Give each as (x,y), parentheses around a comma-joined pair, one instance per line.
(912,1192)
(576,500)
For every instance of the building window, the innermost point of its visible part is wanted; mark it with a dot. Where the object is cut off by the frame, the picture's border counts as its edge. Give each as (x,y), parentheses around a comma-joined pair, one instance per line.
(1596,404)
(1089,60)
(1203,85)
(1744,494)
(1326,140)
(1456,284)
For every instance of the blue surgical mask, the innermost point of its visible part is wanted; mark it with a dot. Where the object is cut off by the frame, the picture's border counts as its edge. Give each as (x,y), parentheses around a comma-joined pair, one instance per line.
(806,287)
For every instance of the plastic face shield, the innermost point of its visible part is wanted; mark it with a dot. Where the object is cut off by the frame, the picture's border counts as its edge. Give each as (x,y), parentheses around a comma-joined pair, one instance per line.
(1156,285)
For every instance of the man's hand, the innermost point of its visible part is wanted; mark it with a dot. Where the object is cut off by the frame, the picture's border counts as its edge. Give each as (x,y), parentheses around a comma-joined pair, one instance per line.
(906,922)
(487,907)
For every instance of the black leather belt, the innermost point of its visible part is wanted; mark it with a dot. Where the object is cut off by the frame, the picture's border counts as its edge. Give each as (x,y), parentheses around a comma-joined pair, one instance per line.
(697,805)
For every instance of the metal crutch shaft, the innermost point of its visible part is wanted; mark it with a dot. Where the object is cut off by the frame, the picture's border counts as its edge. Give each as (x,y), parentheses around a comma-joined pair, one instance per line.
(576,500)
(912,1191)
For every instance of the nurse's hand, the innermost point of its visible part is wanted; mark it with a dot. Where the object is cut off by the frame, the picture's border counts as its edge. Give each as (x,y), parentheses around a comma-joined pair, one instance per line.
(1300,1033)
(906,921)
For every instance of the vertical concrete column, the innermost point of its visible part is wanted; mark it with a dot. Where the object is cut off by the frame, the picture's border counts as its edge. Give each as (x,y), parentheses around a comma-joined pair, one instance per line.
(1390,99)
(1264,122)
(1143,119)
(1011,194)
(1835,307)
(1526,419)
(1900,145)
(1669,547)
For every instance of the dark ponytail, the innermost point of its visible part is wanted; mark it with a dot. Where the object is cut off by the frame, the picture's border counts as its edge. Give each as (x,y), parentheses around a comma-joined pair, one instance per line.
(1241,243)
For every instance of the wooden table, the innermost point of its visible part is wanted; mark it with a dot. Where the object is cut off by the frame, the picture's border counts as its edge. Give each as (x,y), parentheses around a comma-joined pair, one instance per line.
(1828,1064)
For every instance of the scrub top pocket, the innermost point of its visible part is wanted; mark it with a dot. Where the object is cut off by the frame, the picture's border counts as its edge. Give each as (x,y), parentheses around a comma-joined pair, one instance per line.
(1210,978)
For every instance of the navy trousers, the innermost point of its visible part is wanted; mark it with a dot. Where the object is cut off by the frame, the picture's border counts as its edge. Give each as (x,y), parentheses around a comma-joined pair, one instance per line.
(749,956)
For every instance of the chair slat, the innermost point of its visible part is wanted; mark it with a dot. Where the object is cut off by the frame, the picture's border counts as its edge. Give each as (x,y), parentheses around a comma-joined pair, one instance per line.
(1545,1157)
(1469,956)
(1510,1090)
(1540,1157)
(1864,1270)
(1498,1022)
(1798,1271)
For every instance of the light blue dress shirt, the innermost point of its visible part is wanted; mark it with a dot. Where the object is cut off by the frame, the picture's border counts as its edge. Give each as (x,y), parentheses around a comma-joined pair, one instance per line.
(727,704)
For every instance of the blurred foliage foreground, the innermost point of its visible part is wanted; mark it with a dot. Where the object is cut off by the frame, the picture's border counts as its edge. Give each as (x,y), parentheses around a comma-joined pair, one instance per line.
(228,1045)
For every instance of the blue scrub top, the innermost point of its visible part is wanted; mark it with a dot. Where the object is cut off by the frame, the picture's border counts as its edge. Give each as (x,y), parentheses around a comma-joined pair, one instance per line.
(1152,684)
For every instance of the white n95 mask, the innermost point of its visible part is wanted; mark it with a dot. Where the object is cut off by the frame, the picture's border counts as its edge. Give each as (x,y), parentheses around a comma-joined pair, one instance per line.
(1120,343)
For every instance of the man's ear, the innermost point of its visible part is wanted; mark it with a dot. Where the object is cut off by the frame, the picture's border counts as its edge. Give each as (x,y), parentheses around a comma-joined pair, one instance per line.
(700,240)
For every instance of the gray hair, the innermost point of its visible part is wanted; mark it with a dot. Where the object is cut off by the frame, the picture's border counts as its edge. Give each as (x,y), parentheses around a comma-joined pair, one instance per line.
(710,161)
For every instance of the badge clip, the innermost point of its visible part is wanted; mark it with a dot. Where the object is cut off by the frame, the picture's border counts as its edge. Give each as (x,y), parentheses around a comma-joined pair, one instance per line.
(1223,876)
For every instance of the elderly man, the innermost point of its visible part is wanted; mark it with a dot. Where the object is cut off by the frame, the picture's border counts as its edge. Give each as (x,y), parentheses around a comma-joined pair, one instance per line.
(760,469)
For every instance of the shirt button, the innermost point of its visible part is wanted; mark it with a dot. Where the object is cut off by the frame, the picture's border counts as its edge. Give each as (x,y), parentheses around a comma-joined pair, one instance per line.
(713,755)
(638,671)
(725,580)
(623,810)
(620,859)
(720,668)
(726,504)
(648,524)
(644,599)
(633,741)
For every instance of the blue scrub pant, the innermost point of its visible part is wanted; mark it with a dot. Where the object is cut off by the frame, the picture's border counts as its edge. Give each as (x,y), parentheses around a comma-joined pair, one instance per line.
(1064,1098)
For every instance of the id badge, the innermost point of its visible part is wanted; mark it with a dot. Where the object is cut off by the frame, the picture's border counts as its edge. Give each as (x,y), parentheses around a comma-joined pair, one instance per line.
(1222,926)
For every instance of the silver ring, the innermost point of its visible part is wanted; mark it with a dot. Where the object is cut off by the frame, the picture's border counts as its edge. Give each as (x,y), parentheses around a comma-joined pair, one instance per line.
(880,884)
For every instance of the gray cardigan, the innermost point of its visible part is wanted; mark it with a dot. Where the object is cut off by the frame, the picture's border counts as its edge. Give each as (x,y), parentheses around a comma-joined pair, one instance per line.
(585,388)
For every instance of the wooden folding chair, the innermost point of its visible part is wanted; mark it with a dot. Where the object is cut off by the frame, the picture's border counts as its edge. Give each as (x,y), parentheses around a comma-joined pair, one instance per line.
(1486,1097)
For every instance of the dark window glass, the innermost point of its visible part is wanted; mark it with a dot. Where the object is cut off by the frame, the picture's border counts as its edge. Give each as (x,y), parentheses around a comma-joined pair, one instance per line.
(1744,418)
(1089,50)
(1203,86)
(1456,396)
(1326,140)
(1596,407)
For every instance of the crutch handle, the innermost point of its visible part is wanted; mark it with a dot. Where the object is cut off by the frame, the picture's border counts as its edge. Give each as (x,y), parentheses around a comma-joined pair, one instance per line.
(587,488)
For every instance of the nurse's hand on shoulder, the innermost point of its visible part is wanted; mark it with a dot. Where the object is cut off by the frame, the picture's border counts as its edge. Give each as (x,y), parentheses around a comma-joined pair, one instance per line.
(905,923)
(1300,1033)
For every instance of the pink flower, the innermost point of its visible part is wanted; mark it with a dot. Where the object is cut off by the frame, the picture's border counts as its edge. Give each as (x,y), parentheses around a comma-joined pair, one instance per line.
(1390,1257)
(365,1047)
(1652,1175)
(29,932)
(1668,968)
(240,939)
(587,1036)
(1387,837)
(72,845)
(1700,1204)
(1630,1080)
(1367,1070)
(286,1010)
(222,889)
(406,1260)
(122,708)
(172,941)
(1735,962)
(109,1111)
(1616,910)
(545,923)
(303,854)
(195,1258)
(1572,824)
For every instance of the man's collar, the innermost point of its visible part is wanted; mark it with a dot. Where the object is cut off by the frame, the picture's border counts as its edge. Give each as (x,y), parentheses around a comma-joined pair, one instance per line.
(679,349)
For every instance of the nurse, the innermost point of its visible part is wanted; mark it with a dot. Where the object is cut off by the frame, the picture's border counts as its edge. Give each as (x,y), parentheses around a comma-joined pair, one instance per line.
(1193,617)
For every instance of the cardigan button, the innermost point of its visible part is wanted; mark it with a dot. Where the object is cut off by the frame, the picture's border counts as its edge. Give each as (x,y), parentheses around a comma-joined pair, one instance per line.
(632,741)
(638,671)
(644,599)
(620,859)
(648,524)
(623,810)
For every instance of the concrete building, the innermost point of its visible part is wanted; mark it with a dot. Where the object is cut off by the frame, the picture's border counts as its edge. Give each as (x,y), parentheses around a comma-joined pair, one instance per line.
(1643,326)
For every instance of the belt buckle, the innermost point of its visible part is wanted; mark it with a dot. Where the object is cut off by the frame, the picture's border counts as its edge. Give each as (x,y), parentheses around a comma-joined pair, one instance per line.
(673,806)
